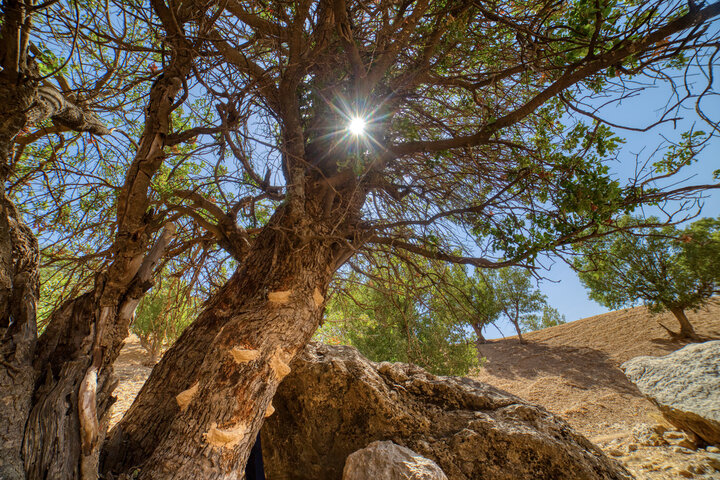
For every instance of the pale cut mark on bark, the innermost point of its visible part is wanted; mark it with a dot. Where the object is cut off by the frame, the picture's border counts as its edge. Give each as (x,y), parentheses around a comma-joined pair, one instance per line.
(279,297)
(270,410)
(244,355)
(318,298)
(184,398)
(278,363)
(226,438)
(87,411)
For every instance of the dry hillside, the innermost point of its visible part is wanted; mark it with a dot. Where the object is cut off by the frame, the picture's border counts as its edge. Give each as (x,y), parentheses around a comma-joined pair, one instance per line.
(572,370)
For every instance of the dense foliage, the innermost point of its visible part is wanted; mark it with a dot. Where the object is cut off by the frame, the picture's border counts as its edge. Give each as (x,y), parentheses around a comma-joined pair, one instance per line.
(399,313)
(430,314)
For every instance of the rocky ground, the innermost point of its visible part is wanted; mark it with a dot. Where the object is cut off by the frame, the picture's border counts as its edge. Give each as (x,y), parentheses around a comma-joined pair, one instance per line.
(572,370)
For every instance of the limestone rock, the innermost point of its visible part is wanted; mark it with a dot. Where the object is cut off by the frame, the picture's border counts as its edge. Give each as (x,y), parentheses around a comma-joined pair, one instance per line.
(685,386)
(390,462)
(647,435)
(335,402)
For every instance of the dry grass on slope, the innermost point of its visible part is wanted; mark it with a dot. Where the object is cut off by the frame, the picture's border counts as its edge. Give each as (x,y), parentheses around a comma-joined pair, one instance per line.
(572,369)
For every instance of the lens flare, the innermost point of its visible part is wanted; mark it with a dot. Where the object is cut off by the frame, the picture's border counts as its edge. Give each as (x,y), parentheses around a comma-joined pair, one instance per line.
(357,126)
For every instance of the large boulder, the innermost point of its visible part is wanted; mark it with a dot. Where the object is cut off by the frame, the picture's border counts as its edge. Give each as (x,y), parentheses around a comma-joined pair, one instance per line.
(685,386)
(388,461)
(335,402)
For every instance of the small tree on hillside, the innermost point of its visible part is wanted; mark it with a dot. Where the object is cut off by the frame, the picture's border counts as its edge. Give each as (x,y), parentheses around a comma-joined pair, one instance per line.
(665,268)
(485,306)
(518,298)
(549,317)
(162,316)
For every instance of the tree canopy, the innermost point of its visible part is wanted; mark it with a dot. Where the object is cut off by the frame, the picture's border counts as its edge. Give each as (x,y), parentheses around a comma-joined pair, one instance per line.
(667,268)
(210,142)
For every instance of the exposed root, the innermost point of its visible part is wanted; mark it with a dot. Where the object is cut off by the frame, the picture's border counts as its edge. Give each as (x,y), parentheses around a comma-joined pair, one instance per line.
(680,335)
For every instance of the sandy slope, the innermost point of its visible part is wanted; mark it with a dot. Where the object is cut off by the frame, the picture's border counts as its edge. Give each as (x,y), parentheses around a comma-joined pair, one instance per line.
(572,370)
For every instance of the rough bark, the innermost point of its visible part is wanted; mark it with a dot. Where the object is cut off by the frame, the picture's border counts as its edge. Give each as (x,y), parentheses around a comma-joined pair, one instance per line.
(23,102)
(64,389)
(201,408)
(18,298)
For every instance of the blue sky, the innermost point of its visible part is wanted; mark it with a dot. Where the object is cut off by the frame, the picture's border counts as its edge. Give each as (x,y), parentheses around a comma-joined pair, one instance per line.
(562,287)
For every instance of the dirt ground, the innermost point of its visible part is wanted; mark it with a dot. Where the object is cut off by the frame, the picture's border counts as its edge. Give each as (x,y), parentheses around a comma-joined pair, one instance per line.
(132,369)
(572,370)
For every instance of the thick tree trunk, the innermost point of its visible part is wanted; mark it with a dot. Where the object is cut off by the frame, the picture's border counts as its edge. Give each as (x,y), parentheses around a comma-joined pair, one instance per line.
(61,385)
(686,328)
(55,427)
(71,400)
(18,298)
(202,407)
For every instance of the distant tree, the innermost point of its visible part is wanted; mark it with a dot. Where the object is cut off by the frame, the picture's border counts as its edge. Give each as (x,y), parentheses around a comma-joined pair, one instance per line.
(394,314)
(549,317)
(517,297)
(665,268)
(484,302)
(162,316)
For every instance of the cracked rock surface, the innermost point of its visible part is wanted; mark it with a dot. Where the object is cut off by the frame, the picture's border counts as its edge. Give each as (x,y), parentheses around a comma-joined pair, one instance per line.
(335,402)
(685,386)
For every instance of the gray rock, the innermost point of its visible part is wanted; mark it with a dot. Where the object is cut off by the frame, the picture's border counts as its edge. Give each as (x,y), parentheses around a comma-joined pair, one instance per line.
(685,386)
(335,402)
(388,461)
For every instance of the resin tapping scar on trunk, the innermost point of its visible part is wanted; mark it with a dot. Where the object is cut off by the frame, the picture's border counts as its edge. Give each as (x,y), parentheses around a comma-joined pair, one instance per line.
(184,398)
(244,355)
(279,365)
(279,297)
(226,438)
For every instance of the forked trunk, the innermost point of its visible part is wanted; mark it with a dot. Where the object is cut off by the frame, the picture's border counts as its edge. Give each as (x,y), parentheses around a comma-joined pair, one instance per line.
(516,324)
(202,407)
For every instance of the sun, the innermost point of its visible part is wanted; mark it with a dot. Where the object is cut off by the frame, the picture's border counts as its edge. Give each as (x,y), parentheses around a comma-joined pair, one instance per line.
(357,126)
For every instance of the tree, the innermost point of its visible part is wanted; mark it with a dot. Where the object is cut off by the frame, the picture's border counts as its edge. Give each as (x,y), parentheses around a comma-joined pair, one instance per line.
(162,316)
(517,298)
(484,303)
(404,313)
(58,404)
(666,268)
(478,147)
(549,317)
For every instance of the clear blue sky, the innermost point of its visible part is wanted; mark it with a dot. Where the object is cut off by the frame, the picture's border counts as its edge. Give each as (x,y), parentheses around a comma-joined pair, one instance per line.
(563,287)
